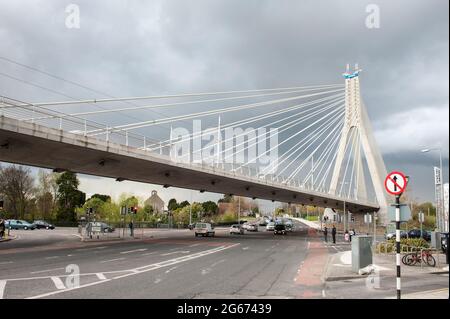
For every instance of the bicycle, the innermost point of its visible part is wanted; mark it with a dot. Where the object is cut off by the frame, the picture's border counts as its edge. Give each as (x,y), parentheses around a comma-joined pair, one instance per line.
(417,257)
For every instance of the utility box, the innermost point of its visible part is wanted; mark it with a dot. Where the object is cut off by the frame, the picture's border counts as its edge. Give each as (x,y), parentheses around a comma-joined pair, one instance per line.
(436,240)
(361,252)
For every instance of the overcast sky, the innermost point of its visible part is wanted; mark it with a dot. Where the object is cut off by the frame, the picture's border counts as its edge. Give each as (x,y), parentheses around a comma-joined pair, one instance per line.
(154,47)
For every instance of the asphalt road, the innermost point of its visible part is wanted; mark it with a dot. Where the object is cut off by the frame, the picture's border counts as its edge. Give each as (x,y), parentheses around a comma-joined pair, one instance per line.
(172,264)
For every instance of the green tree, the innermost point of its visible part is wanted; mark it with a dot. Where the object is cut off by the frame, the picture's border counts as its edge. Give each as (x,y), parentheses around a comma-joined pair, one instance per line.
(209,208)
(184,204)
(69,197)
(105,198)
(226,199)
(172,205)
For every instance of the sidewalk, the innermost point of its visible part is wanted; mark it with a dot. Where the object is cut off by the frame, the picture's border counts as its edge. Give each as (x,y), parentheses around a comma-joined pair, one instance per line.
(8,238)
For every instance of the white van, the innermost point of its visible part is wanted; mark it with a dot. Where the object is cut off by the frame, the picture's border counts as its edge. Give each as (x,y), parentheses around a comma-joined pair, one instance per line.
(204,229)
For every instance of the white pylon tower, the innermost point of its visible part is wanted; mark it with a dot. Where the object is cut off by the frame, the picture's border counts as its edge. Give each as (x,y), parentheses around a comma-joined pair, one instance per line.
(357,120)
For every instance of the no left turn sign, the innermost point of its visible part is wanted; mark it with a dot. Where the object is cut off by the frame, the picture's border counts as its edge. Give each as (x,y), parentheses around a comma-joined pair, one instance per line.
(395,183)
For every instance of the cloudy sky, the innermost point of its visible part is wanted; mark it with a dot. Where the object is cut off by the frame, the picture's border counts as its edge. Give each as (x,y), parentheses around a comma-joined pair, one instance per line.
(137,48)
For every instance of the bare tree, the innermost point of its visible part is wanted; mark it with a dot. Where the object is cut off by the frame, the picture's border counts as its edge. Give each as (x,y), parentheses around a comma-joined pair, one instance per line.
(16,185)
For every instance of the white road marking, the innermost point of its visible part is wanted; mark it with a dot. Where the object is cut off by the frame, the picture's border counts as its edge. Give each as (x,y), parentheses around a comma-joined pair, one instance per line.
(52,257)
(158,280)
(139,270)
(133,251)
(86,249)
(110,260)
(58,283)
(218,262)
(46,270)
(194,245)
(245,248)
(206,271)
(176,252)
(100,276)
(169,270)
(2,288)
(6,262)
(151,253)
(323,293)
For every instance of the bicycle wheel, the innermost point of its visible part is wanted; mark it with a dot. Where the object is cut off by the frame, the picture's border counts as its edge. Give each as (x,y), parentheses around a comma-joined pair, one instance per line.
(404,259)
(431,261)
(410,259)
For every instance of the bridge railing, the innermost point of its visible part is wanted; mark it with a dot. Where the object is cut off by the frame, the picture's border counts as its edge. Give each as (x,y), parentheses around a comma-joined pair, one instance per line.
(30,113)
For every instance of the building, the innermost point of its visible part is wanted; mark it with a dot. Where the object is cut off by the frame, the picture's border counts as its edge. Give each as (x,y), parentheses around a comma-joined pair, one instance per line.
(156,202)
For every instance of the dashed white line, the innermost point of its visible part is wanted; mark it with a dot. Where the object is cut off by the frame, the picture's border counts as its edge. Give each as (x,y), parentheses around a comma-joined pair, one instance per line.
(52,257)
(133,251)
(151,253)
(245,248)
(169,270)
(58,283)
(46,270)
(194,245)
(100,276)
(110,260)
(6,262)
(142,269)
(176,252)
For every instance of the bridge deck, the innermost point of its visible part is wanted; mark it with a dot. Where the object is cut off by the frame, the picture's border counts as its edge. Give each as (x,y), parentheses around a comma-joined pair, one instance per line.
(35,145)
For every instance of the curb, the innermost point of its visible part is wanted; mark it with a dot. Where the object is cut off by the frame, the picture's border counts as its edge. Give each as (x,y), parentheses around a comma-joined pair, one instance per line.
(11,237)
(345,278)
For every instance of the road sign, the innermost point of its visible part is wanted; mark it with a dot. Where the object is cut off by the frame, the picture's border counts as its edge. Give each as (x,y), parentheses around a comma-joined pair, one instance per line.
(405,213)
(395,183)
(421,217)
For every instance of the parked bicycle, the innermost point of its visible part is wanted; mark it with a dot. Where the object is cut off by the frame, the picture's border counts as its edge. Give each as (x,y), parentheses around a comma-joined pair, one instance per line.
(424,256)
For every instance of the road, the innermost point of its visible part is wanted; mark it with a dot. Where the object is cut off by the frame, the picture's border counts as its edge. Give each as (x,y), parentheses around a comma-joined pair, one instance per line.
(172,264)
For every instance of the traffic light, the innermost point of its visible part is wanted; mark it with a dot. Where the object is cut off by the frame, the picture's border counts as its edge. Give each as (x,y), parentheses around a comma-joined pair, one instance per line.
(89,210)
(1,204)
(134,209)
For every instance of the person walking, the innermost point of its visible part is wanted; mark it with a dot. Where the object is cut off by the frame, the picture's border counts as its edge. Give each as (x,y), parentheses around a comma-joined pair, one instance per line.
(346,236)
(131,229)
(351,233)
(325,234)
(333,234)
(2,228)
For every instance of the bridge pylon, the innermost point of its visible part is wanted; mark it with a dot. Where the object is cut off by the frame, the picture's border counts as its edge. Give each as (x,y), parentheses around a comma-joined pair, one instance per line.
(357,127)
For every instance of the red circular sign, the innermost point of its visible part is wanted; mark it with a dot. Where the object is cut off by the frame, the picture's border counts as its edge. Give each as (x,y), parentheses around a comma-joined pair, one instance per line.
(395,183)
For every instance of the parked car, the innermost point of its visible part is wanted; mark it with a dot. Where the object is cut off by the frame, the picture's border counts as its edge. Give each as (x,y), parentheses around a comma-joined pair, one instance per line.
(204,229)
(252,227)
(415,233)
(403,234)
(107,228)
(191,226)
(236,229)
(270,226)
(18,224)
(280,229)
(40,224)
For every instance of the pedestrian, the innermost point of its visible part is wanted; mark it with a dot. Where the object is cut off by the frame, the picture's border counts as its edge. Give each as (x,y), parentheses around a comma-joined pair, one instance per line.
(346,236)
(352,233)
(325,233)
(89,230)
(2,228)
(131,228)
(333,234)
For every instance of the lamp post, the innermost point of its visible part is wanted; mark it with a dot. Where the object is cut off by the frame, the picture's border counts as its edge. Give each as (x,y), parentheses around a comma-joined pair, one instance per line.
(440,213)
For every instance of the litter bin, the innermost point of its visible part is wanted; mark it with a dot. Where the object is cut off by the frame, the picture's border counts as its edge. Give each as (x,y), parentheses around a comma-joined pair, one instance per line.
(436,240)
(361,252)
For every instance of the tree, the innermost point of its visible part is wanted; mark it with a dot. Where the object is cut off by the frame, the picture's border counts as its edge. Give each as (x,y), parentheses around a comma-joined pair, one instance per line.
(184,204)
(172,205)
(16,185)
(46,194)
(226,199)
(104,198)
(209,207)
(69,197)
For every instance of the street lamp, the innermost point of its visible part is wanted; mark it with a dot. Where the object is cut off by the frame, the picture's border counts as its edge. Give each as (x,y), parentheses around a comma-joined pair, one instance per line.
(439,219)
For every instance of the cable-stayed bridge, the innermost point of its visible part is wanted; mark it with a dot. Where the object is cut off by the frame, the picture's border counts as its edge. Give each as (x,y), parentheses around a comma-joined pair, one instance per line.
(309,145)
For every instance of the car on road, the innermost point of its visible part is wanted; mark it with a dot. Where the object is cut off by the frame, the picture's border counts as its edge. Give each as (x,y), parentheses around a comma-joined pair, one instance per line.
(270,226)
(280,229)
(252,227)
(403,234)
(204,229)
(107,228)
(19,224)
(41,224)
(236,229)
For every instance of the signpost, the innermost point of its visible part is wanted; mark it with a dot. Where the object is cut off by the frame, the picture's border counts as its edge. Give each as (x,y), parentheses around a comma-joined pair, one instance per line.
(421,220)
(395,184)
